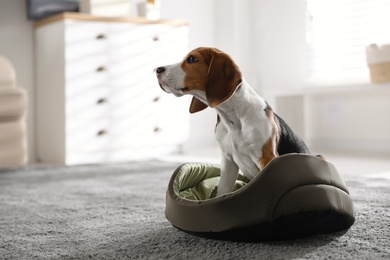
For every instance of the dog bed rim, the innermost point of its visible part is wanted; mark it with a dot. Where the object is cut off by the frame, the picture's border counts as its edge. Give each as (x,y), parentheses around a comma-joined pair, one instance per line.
(237,192)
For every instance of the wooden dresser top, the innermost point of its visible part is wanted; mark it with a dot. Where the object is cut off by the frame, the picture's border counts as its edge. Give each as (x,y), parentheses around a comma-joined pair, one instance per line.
(88,17)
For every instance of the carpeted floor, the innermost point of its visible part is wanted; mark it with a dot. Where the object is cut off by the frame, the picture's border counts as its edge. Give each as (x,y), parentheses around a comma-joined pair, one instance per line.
(117,212)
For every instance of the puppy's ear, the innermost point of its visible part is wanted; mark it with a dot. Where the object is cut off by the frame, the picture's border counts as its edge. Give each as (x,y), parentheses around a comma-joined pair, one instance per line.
(197,105)
(223,78)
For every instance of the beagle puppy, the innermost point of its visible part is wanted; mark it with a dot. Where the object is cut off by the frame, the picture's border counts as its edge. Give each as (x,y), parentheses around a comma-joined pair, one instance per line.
(248,132)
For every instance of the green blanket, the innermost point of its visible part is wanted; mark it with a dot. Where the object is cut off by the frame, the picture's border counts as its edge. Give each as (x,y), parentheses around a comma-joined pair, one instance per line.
(196,181)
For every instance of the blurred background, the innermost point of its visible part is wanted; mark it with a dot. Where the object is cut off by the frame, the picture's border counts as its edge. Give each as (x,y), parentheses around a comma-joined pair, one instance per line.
(308,58)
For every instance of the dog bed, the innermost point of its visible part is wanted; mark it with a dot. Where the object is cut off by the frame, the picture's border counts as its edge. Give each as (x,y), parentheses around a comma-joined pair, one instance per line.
(295,195)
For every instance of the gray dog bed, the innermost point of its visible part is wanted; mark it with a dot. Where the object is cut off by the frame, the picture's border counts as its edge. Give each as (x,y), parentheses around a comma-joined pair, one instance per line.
(295,195)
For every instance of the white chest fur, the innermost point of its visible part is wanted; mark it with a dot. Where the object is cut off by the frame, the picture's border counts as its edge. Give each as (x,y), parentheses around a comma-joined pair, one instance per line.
(244,129)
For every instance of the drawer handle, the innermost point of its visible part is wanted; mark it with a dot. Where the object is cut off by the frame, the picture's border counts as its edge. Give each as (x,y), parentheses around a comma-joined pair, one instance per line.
(101,69)
(156,39)
(156,99)
(157,130)
(102,101)
(102,133)
(101,36)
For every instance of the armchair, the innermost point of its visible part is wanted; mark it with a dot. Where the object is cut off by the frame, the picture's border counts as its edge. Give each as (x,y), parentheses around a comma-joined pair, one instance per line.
(13,110)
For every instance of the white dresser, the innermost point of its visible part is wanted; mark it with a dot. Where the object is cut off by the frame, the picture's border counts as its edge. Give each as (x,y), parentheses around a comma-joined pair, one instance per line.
(97,97)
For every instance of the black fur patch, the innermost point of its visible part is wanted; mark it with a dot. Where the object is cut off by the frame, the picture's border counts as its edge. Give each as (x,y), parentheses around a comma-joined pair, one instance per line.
(289,142)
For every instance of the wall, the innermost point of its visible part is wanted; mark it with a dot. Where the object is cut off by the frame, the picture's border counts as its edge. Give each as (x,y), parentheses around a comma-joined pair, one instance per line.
(357,120)
(279,45)
(16,43)
(200,15)
(234,33)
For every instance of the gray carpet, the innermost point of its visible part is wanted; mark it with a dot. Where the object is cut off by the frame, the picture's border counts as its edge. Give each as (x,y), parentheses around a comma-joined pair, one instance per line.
(117,212)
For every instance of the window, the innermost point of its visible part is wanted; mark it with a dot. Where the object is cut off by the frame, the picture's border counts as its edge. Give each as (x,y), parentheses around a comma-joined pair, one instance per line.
(337,34)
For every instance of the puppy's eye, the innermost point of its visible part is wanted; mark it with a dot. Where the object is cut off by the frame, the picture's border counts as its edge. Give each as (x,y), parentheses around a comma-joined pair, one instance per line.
(192,59)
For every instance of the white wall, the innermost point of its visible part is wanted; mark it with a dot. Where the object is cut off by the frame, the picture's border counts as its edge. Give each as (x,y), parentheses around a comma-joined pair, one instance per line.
(200,16)
(355,121)
(16,43)
(235,34)
(279,45)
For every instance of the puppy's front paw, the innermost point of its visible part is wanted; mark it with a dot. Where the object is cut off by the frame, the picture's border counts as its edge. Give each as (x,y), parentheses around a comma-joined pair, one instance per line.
(219,193)
(222,190)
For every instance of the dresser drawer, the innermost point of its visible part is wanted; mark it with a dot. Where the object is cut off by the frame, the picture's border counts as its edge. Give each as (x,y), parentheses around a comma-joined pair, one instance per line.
(85,38)
(131,70)
(137,102)
(112,69)
(135,39)
(128,41)
(143,127)
(115,102)
(154,46)
(87,103)
(133,131)
(166,133)
(100,135)
(126,54)
(87,72)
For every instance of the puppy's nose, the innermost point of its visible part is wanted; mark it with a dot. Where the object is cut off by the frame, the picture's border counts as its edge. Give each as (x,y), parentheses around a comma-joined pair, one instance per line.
(160,70)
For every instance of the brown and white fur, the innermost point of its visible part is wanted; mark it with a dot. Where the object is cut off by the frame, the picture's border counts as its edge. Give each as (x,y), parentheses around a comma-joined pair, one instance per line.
(248,132)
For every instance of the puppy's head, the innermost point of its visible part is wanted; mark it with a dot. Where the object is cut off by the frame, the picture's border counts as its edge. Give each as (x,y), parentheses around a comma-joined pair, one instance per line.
(205,71)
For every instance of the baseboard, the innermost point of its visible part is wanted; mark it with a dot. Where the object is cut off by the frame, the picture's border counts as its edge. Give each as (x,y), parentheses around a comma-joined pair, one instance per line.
(351,145)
